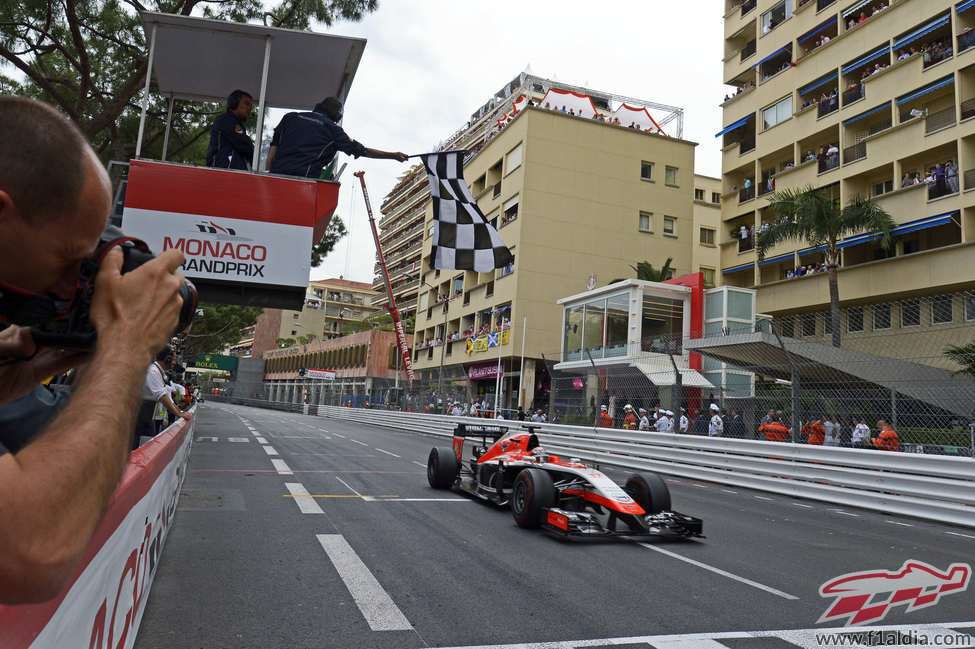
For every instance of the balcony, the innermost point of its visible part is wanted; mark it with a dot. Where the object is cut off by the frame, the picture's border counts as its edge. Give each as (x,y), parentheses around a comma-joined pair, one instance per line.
(968,108)
(856,152)
(747,6)
(830,105)
(829,162)
(966,40)
(970,179)
(746,194)
(822,4)
(853,94)
(748,50)
(939,120)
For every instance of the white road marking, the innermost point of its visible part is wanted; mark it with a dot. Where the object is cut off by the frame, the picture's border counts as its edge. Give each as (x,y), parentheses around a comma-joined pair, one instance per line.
(203,439)
(339,435)
(419,464)
(269,450)
(840,511)
(367,499)
(697,484)
(358,442)
(967,536)
(729,491)
(802,505)
(239,439)
(282,467)
(374,602)
(261,440)
(298,437)
(422,500)
(899,523)
(386,452)
(323,430)
(698,643)
(719,571)
(763,498)
(303,499)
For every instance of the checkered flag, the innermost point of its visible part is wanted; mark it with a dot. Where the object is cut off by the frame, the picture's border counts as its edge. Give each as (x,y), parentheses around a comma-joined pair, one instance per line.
(462,237)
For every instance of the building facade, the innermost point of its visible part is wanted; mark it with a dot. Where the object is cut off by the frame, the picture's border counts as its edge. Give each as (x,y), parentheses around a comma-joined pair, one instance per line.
(364,364)
(578,200)
(331,306)
(872,98)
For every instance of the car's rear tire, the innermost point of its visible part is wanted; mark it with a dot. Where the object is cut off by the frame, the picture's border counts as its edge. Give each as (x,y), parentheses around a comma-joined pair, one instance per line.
(442,468)
(531,494)
(649,491)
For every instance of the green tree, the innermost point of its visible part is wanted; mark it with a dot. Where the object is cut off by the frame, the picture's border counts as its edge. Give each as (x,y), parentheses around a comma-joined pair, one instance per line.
(286,342)
(89,59)
(219,326)
(964,356)
(307,338)
(380,320)
(645,270)
(816,217)
(333,233)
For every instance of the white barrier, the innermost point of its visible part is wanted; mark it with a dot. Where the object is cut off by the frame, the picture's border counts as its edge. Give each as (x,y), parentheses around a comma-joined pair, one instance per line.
(931,487)
(102,606)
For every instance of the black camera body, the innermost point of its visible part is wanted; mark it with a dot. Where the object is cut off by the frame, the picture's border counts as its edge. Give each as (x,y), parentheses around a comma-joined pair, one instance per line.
(67,324)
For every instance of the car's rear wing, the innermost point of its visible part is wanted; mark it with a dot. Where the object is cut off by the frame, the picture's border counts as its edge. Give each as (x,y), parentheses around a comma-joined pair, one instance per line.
(485,432)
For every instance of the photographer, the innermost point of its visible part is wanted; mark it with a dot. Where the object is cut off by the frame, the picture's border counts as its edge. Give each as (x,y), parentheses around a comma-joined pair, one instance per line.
(54,200)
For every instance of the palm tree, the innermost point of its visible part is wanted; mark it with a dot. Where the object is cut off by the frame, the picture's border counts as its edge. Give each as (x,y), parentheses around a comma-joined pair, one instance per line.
(964,355)
(816,217)
(644,270)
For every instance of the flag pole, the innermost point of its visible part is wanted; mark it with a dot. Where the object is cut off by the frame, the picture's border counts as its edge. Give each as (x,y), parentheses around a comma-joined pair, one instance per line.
(521,380)
(404,349)
(497,379)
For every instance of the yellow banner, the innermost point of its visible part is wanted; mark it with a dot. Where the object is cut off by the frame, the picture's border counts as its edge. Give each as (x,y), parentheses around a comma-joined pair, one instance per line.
(485,342)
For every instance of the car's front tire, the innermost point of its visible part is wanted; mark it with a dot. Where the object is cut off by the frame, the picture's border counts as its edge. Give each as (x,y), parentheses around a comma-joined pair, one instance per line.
(649,491)
(531,494)
(442,468)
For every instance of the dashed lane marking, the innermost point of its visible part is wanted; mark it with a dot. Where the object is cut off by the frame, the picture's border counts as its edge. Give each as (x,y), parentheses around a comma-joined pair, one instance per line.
(261,440)
(339,435)
(967,536)
(306,503)
(269,450)
(899,523)
(840,511)
(358,442)
(387,452)
(762,498)
(419,464)
(206,439)
(374,602)
(719,571)
(281,467)
(802,505)
(729,491)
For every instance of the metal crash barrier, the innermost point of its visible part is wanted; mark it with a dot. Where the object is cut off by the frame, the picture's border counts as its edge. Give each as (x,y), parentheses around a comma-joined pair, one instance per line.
(930,487)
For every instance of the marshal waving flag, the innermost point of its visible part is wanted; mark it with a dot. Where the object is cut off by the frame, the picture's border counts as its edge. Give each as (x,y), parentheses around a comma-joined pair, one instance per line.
(462,237)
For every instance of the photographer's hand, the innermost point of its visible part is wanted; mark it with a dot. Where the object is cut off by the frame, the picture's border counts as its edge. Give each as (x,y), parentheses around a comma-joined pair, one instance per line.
(136,313)
(18,377)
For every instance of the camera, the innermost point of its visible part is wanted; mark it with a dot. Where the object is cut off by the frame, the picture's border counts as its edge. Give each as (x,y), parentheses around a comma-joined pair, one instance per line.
(67,323)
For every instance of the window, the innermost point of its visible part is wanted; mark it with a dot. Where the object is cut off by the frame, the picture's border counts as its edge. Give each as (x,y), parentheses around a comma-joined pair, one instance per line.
(617,325)
(489,291)
(881,316)
(430,230)
(808,323)
(970,307)
(295,316)
(854,319)
(707,236)
(882,188)
(513,160)
(294,332)
(671,176)
(716,198)
(510,211)
(787,327)
(910,313)
(708,277)
(646,221)
(699,194)
(670,226)
(942,309)
(646,170)
(777,113)
(827,324)
(776,15)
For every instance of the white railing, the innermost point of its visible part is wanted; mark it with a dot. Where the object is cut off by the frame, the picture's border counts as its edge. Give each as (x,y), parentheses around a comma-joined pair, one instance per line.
(931,487)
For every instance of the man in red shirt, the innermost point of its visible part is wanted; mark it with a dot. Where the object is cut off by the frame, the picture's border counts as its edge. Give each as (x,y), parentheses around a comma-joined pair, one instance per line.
(605,420)
(887,439)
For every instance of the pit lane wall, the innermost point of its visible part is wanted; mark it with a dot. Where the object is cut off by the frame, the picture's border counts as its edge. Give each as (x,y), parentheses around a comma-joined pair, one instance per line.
(931,487)
(102,606)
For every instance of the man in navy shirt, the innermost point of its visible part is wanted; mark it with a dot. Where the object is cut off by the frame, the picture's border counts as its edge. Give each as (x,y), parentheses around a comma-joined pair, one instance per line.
(304,143)
(230,147)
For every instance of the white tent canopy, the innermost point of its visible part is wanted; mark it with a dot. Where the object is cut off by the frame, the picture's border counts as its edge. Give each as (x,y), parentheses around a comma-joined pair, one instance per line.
(580,104)
(639,114)
(203,59)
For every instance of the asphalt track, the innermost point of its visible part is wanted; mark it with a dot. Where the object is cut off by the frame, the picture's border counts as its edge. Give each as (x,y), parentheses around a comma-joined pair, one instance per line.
(306,532)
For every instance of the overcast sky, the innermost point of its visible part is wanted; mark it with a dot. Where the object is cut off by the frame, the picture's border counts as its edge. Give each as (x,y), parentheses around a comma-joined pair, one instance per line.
(429,64)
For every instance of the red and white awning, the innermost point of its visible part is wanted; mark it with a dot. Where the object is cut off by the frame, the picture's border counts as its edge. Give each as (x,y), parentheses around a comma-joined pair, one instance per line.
(627,114)
(578,103)
(516,108)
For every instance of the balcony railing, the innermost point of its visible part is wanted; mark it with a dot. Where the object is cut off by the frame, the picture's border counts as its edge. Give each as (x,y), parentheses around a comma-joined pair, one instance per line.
(747,6)
(822,4)
(744,245)
(830,105)
(939,120)
(939,189)
(856,152)
(966,40)
(852,95)
(968,107)
(746,194)
(970,179)
(828,162)
(748,50)
(746,146)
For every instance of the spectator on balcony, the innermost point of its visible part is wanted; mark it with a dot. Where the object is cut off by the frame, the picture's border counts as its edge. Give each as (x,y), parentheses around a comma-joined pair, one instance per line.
(951,176)
(862,18)
(907,181)
(940,180)
(887,438)
(747,185)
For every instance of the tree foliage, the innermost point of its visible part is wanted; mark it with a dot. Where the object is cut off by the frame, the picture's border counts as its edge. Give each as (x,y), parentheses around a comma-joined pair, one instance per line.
(333,233)
(814,216)
(380,320)
(219,326)
(645,270)
(88,58)
(964,356)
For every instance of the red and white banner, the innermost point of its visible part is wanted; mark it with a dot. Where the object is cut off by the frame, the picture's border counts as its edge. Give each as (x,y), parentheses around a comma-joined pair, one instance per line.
(578,103)
(104,602)
(324,375)
(627,114)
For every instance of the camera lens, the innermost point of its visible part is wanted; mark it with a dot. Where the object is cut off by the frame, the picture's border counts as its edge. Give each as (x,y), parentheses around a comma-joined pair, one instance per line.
(187,291)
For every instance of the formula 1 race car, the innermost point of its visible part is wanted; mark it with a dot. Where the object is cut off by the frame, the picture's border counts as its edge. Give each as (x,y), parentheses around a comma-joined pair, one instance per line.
(561,495)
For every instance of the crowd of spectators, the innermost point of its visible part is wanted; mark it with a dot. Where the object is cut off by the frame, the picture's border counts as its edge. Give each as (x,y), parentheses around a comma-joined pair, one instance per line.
(769,72)
(749,85)
(829,430)
(808,269)
(827,102)
(828,156)
(867,14)
(941,179)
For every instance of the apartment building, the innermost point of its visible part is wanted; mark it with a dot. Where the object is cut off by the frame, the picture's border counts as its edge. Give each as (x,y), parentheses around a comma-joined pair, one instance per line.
(578,198)
(330,306)
(860,98)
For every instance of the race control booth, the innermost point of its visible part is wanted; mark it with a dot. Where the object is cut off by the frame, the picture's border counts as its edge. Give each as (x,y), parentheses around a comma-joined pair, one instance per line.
(247,236)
